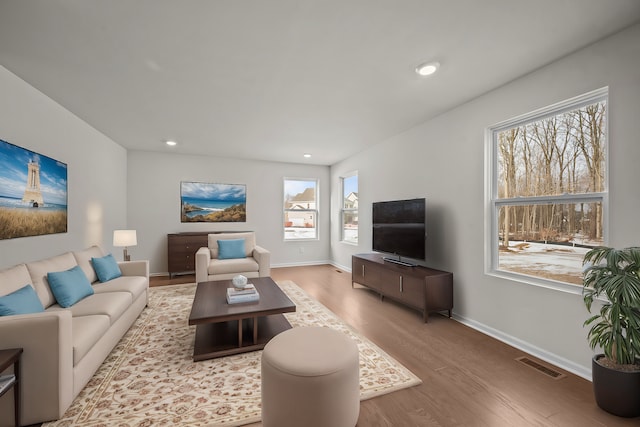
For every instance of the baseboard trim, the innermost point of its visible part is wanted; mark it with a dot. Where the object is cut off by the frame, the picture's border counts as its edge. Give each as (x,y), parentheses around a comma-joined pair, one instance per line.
(341,267)
(161,274)
(285,264)
(300,264)
(533,350)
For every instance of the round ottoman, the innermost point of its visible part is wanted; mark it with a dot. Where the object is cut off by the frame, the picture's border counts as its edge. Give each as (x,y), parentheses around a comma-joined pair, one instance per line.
(310,377)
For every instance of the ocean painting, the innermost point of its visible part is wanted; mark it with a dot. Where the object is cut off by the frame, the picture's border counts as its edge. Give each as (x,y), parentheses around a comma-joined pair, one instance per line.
(208,202)
(33,193)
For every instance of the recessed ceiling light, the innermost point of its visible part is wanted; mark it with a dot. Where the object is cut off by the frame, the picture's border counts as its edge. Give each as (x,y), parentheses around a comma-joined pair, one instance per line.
(427,69)
(171,143)
(306,155)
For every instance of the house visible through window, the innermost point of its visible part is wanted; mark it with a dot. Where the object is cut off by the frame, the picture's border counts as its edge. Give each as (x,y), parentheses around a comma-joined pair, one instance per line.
(349,212)
(548,190)
(300,209)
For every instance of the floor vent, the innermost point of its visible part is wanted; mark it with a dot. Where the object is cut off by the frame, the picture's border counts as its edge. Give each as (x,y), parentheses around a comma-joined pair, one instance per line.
(541,368)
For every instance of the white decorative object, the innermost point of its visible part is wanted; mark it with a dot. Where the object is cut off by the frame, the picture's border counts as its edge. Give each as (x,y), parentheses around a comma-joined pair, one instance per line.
(239,281)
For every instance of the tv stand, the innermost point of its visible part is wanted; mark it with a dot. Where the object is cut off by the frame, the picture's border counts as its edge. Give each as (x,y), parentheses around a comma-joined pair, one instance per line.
(399,262)
(422,288)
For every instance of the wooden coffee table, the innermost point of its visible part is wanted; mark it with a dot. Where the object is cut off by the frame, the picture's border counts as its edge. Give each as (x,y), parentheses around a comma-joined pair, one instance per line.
(223,329)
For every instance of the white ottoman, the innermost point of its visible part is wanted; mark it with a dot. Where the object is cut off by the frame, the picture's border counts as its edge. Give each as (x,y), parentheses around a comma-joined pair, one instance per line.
(310,378)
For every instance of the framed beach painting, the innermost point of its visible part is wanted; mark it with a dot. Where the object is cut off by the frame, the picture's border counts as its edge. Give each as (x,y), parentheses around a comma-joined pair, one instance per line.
(209,202)
(33,193)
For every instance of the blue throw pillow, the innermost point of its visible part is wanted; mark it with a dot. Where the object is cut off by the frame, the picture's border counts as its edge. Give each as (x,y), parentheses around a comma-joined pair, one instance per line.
(69,286)
(106,268)
(23,301)
(231,248)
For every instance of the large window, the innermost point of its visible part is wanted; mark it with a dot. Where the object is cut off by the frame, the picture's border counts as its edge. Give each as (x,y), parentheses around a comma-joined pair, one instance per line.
(300,209)
(349,211)
(548,191)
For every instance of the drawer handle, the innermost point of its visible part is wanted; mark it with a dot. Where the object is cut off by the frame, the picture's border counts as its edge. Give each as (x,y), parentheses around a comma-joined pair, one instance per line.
(401,287)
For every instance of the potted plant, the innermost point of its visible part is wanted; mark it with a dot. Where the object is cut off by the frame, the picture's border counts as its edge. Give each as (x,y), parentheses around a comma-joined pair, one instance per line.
(614,275)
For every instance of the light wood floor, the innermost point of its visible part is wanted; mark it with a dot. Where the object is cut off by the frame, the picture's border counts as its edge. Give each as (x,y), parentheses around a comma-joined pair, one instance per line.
(469,379)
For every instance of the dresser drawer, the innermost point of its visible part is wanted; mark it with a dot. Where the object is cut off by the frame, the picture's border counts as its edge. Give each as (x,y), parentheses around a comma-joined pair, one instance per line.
(181,251)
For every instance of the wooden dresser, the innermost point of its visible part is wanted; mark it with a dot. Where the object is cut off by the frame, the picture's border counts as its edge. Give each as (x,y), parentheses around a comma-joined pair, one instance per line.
(182,248)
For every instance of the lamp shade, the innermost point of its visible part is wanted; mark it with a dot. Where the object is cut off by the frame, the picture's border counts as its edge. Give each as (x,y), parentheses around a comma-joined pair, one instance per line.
(124,238)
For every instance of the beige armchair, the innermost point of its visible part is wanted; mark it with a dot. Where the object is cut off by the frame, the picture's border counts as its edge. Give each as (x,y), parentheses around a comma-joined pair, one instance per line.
(256,261)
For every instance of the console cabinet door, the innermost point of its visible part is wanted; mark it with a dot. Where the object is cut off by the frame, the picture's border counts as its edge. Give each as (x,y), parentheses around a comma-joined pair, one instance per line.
(384,280)
(412,291)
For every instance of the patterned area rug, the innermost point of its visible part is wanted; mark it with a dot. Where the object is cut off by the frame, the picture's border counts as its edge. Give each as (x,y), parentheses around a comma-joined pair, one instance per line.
(150,378)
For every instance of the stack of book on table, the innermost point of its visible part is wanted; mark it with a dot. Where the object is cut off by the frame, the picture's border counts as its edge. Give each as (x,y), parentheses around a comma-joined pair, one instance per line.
(248,294)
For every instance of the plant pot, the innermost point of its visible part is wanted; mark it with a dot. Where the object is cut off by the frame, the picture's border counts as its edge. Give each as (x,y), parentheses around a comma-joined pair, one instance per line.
(616,392)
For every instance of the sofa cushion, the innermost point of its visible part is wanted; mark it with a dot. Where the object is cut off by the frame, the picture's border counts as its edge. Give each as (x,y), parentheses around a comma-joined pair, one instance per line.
(38,271)
(69,286)
(249,241)
(87,331)
(83,258)
(111,304)
(106,268)
(14,278)
(231,248)
(23,301)
(135,285)
(238,265)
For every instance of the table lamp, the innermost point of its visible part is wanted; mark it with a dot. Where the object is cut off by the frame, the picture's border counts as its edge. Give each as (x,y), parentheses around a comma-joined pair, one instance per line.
(125,238)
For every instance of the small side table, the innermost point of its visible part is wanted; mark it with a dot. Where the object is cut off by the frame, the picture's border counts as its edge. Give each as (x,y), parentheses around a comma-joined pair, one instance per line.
(10,357)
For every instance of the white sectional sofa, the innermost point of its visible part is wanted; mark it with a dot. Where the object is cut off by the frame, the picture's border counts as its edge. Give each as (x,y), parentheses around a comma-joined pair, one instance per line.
(63,347)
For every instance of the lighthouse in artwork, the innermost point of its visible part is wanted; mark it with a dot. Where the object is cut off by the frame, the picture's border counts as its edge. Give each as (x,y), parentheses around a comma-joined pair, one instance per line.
(32,193)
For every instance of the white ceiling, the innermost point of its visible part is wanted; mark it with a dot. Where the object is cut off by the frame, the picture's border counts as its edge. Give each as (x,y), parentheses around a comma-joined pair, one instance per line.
(273,79)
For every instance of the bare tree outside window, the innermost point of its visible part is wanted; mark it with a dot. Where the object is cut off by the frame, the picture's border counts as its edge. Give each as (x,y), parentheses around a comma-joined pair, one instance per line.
(549,189)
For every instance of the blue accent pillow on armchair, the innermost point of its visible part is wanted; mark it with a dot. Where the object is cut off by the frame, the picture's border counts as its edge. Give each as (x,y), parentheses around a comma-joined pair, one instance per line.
(23,301)
(106,268)
(69,286)
(231,248)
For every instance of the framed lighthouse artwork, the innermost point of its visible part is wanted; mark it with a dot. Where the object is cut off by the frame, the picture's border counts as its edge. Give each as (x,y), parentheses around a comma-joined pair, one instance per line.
(33,193)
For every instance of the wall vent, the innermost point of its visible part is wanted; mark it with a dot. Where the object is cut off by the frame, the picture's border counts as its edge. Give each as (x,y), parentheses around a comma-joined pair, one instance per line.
(552,373)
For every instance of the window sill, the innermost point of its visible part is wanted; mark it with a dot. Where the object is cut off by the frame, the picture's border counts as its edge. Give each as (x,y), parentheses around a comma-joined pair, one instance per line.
(536,281)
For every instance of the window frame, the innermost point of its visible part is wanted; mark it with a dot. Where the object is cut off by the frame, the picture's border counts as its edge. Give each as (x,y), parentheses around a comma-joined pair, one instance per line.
(493,203)
(344,211)
(315,212)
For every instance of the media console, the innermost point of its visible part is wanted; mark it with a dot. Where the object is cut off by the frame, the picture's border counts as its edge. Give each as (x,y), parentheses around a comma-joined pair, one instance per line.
(422,288)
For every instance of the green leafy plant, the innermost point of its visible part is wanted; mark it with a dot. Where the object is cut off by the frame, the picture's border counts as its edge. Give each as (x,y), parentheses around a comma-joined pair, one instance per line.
(614,274)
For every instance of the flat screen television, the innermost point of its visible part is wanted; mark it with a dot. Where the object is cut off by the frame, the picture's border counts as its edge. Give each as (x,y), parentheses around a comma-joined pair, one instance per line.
(399,228)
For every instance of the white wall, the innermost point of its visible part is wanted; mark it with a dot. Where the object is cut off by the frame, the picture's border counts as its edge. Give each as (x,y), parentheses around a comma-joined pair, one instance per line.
(154,203)
(443,160)
(96,171)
